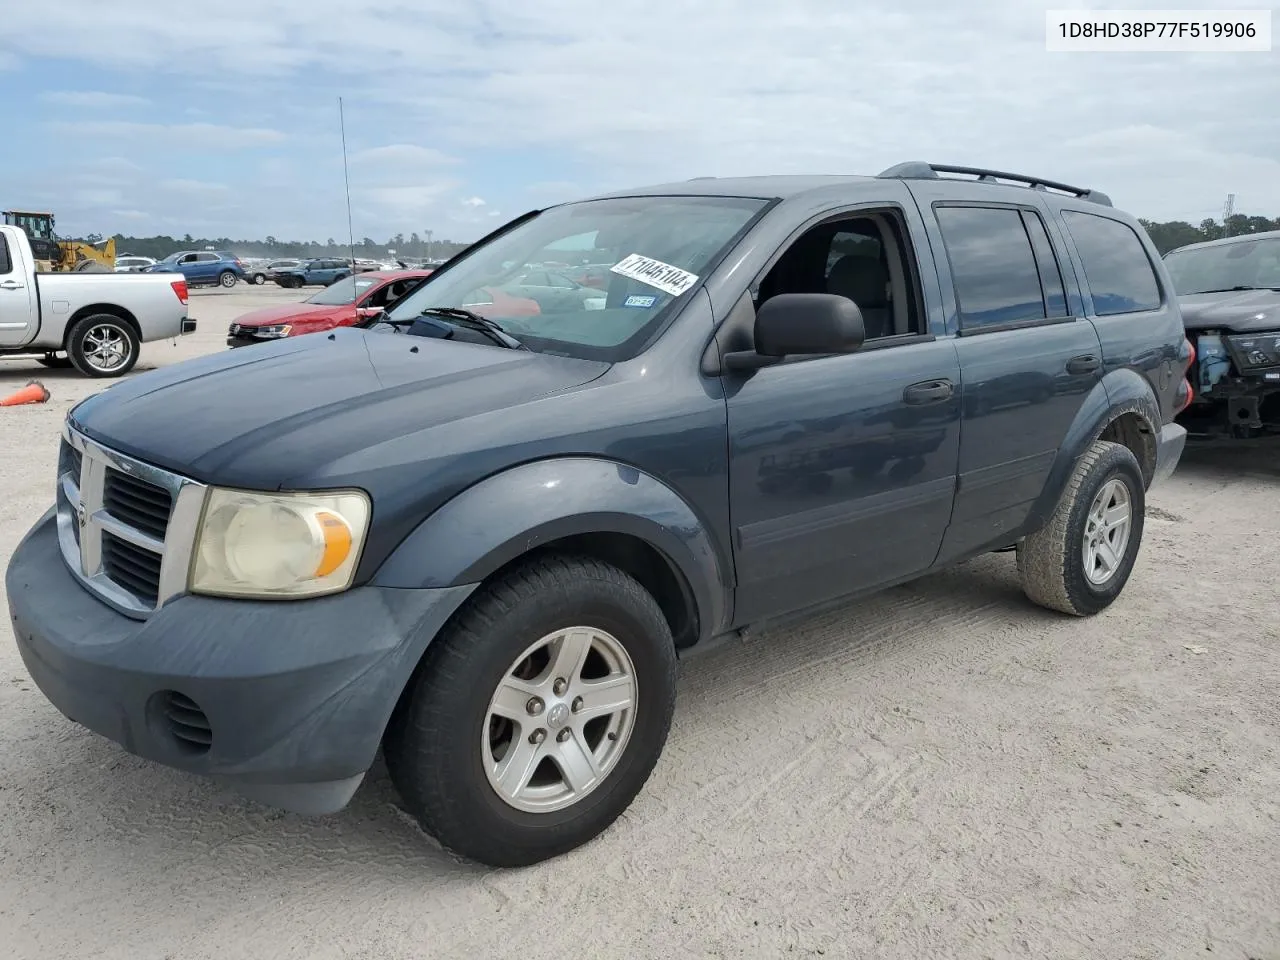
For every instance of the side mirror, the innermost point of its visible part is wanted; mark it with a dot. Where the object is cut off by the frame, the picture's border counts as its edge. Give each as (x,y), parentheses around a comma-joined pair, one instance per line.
(801,324)
(368,312)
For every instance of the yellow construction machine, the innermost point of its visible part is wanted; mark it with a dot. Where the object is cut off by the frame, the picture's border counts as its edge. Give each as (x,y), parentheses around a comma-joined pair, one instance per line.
(53,254)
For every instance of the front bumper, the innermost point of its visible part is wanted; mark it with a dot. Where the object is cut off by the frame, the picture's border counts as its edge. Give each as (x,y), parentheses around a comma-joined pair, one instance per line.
(1170,443)
(296,694)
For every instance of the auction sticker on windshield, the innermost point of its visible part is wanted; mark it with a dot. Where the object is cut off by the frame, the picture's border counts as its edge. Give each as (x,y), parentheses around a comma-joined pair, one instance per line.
(655,273)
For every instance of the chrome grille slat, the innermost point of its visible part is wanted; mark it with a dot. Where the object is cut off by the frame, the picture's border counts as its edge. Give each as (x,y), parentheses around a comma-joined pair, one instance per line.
(126,528)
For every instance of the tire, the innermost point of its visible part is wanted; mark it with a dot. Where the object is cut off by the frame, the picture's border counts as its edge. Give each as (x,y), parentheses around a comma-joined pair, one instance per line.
(259,279)
(95,340)
(1052,562)
(442,740)
(227,279)
(54,362)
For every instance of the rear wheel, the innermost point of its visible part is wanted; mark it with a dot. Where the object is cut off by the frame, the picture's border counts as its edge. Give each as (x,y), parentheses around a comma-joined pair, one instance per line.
(538,715)
(103,345)
(259,279)
(1081,559)
(227,279)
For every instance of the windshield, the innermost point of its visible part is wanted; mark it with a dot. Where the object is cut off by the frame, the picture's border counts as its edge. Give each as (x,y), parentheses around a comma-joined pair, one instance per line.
(342,292)
(656,248)
(1249,263)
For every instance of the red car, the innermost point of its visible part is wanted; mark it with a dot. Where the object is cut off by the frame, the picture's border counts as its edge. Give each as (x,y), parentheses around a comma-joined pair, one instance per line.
(339,305)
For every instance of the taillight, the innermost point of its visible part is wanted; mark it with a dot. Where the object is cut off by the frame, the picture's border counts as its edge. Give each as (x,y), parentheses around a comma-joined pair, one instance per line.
(180,290)
(1185,391)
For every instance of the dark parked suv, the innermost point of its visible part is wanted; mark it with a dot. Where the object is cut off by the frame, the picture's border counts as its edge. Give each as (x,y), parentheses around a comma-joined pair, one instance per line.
(483,544)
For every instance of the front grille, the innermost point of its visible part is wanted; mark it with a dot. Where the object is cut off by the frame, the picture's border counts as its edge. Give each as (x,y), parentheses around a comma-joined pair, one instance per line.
(135,568)
(187,722)
(141,505)
(125,527)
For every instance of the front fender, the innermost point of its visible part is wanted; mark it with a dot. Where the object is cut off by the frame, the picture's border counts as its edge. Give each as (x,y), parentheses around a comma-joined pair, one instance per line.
(1119,392)
(510,513)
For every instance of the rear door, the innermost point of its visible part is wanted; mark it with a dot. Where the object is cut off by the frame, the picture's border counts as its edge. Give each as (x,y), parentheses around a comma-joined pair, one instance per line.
(207,267)
(19,317)
(1028,356)
(1137,319)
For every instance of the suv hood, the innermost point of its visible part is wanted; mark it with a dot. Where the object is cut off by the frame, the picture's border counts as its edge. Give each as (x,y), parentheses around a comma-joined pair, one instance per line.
(1239,311)
(284,411)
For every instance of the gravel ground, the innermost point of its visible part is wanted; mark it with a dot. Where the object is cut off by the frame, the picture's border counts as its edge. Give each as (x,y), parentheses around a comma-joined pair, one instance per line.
(941,771)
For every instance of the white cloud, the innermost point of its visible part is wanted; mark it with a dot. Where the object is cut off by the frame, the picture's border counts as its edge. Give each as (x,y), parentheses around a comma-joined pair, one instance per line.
(401,156)
(473,202)
(725,88)
(92,99)
(192,136)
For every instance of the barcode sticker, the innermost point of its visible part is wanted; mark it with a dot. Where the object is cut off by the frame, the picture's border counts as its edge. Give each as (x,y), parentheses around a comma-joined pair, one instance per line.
(655,273)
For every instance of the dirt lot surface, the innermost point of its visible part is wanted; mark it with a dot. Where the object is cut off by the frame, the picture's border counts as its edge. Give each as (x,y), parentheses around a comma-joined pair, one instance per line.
(941,771)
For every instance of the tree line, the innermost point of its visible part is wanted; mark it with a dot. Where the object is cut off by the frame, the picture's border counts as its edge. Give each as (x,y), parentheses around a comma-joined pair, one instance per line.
(1166,236)
(159,247)
(1178,233)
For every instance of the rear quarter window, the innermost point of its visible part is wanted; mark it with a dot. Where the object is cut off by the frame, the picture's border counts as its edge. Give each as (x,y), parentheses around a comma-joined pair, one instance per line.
(1117,270)
(6,262)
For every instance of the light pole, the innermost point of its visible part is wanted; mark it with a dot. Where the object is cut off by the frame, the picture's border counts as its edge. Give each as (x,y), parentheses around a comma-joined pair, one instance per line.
(429,247)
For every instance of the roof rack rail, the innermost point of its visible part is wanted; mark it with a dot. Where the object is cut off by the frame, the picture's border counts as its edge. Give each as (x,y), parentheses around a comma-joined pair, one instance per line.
(691,179)
(919,170)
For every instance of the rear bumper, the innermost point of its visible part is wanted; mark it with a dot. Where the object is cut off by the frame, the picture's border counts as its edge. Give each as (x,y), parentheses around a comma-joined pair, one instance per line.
(295,695)
(1170,443)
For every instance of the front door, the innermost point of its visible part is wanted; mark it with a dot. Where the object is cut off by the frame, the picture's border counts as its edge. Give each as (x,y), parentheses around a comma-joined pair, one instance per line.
(18,312)
(842,469)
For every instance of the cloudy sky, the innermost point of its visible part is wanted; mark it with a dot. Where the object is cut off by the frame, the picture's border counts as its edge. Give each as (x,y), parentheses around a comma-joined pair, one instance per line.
(139,117)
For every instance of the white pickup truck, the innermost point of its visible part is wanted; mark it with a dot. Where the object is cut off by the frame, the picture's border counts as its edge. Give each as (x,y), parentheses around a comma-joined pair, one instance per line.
(96,322)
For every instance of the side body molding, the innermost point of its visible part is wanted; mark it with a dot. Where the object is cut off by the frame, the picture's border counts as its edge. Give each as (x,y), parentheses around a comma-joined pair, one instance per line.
(1119,392)
(510,513)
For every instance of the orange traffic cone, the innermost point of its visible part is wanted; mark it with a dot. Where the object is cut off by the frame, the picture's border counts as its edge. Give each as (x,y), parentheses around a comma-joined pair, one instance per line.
(33,392)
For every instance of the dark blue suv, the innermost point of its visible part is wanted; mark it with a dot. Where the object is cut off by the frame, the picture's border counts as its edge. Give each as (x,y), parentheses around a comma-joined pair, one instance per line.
(202,267)
(479,537)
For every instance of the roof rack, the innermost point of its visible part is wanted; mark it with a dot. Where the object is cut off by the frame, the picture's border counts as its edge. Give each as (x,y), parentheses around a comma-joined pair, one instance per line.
(919,170)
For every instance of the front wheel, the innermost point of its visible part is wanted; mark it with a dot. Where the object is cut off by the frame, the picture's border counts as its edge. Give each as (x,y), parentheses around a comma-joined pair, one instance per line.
(103,345)
(1081,559)
(259,279)
(537,716)
(227,279)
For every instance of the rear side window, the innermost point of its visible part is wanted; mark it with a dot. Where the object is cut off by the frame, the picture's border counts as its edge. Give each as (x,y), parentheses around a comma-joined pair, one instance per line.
(6,262)
(1116,266)
(992,265)
(1055,297)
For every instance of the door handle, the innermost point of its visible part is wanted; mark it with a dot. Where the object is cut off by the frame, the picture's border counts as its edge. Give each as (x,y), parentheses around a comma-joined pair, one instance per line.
(930,391)
(11,285)
(1085,364)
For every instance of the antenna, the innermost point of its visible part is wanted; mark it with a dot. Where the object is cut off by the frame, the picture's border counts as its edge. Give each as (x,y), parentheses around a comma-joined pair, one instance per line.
(346,177)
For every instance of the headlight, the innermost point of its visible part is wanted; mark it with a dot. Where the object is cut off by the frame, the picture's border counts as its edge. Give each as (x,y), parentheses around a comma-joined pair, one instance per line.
(279,544)
(277,330)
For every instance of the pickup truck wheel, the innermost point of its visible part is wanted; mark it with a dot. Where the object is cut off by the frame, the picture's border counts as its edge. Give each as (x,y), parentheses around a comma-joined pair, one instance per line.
(1081,559)
(102,345)
(537,716)
(227,279)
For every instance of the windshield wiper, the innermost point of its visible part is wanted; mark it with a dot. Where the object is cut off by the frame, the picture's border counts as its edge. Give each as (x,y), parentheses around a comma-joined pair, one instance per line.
(1237,289)
(472,321)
